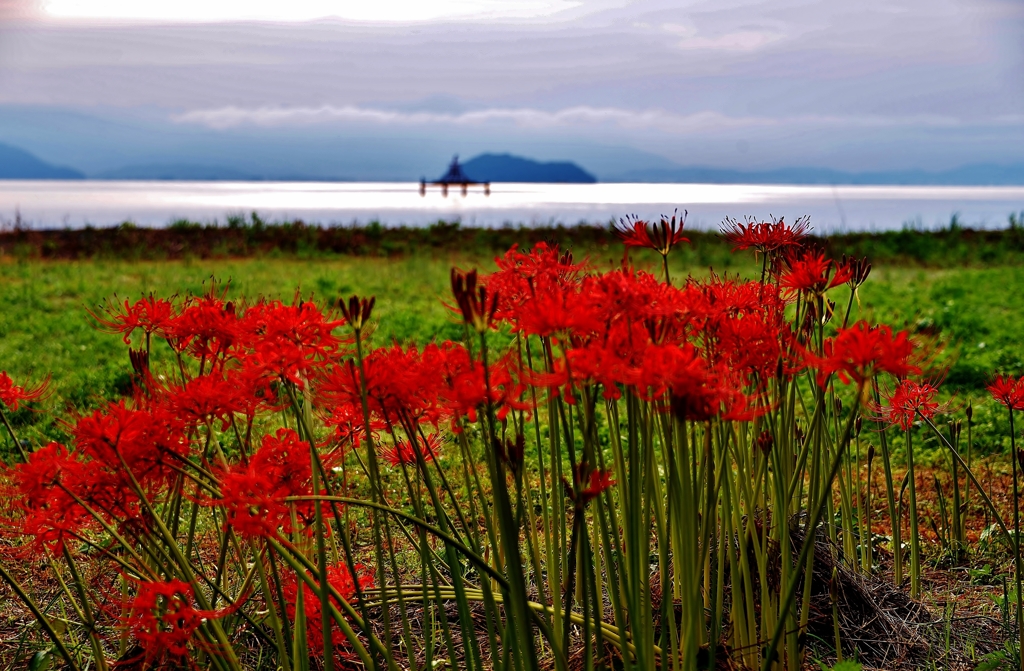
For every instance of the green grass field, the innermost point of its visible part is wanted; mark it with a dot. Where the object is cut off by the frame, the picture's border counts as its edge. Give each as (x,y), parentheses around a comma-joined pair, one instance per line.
(977,313)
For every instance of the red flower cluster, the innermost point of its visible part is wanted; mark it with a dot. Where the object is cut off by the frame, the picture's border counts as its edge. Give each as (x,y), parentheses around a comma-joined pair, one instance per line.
(253,494)
(138,447)
(268,338)
(701,346)
(164,620)
(407,387)
(707,350)
(122,454)
(347,586)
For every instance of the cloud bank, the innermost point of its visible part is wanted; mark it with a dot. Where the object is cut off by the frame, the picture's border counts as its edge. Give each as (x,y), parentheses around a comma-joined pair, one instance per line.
(234,117)
(928,83)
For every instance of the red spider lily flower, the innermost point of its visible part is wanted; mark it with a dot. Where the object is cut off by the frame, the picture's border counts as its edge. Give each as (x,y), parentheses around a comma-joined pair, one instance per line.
(553,308)
(349,425)
(907,401)
(291,341)
(252,504)
(661,237)
(254,495)
(860,352)
(257,390)
(634,295)
(164,620)
(765,237)
(207,327)
(521,275)
(148,440)
(150,315)
(1008,391)
(405,451)
(627,311)
(668,368)
(600,480)
(12,395)
(466,387)
(402,384)
(48,513)
(740,325)
(122,450)
(813,273)
(341,579)
(206,398)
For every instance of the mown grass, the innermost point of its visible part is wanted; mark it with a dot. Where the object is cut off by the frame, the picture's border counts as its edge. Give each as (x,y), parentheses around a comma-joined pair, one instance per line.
(976,313)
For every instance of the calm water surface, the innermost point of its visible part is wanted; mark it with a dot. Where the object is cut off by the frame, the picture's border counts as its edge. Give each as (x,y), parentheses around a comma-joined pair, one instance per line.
(59,204)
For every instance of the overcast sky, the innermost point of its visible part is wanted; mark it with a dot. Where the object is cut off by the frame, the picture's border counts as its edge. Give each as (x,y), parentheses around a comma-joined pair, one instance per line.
(865,85)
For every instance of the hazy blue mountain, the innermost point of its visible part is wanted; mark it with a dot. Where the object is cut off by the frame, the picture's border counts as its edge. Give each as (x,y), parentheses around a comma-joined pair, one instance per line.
(968,175)
(17,163)
(172,171)
(509,168)
(144,144)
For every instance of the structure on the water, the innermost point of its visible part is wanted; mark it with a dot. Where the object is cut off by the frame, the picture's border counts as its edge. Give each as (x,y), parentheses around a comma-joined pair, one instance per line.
(454,177)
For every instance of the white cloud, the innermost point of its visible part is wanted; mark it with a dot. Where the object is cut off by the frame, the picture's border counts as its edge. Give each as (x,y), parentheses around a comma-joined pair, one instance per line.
(656,119)
(743,40)
(399,11)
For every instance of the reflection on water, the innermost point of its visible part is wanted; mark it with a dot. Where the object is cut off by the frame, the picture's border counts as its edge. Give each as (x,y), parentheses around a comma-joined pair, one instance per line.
(74,204)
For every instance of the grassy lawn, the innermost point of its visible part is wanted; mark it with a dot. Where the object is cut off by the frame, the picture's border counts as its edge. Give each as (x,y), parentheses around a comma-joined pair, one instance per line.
(977,313)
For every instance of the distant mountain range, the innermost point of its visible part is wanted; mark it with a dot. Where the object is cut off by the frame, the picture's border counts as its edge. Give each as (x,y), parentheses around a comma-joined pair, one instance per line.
(16,163)
(509,168)
(178,171)
(968,175)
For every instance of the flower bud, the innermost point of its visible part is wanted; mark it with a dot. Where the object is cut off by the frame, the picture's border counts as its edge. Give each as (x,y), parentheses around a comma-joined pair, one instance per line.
(511,452)
(357,312)
(476,306)
(830,311)
(140,361)
(859,270)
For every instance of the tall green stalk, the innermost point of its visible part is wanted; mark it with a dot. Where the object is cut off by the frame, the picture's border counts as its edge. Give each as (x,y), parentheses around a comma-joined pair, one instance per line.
(915,538)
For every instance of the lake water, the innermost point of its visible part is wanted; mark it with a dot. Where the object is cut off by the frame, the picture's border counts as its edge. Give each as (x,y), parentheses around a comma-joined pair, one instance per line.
(61,204)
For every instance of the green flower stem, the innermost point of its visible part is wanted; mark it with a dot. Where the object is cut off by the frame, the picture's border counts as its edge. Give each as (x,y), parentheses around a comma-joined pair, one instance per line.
(812,525)
(915,538)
